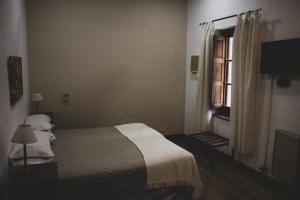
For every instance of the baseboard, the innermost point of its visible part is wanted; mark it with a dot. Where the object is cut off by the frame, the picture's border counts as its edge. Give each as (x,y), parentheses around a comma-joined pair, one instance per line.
(292,193)
(257,173)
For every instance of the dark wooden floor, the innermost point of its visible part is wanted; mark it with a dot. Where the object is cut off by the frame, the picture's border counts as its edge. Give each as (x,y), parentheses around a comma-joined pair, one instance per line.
(231,180)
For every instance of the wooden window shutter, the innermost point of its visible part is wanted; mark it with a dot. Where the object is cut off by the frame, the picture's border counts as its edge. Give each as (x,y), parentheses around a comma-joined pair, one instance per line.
(218,71)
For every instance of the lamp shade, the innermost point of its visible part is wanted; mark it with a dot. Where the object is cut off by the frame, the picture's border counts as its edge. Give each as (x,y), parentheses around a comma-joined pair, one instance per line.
(37,97)
(24,135)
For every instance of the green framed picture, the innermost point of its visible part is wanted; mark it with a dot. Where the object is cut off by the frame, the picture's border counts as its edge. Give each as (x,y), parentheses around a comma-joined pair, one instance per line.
(14,68)
(194,63)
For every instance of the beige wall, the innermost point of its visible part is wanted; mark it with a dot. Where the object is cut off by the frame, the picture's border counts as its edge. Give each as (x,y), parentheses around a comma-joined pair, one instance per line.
(12,43)
(121,61)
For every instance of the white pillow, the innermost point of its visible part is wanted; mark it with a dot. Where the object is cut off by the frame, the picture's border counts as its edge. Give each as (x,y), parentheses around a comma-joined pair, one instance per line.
(39,122)
(40,149)
(52,137)
(40,117)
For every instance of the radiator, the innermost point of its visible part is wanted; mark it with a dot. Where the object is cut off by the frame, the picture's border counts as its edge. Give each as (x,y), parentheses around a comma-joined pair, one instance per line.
(286,158)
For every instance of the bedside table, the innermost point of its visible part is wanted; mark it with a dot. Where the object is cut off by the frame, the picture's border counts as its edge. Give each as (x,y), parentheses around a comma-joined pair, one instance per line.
(36,182)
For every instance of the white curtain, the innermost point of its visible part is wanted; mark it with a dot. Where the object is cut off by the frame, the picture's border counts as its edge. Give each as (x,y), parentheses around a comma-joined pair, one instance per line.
(245,71)
(203,114)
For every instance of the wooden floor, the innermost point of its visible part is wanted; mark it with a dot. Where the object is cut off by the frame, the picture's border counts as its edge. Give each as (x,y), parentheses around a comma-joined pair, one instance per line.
(233,181)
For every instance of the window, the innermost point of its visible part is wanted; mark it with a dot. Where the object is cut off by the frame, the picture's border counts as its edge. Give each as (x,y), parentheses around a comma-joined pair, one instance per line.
(222,72)
(228,70)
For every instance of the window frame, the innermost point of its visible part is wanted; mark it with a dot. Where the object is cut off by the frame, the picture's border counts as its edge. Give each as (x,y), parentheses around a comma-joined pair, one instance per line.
(224,111)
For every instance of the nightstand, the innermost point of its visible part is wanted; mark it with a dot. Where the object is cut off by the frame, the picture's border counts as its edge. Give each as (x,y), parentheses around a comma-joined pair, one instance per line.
(36,182)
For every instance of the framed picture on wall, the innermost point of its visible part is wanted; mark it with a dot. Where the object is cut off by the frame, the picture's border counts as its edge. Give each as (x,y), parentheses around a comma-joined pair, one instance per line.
(14,68)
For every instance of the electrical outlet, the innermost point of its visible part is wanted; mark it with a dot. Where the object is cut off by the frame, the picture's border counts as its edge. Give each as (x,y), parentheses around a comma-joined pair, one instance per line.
(66,98)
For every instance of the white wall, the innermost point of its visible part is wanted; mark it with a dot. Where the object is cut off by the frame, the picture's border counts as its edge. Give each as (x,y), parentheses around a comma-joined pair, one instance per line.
(121,61)
(12,43)
(282,17)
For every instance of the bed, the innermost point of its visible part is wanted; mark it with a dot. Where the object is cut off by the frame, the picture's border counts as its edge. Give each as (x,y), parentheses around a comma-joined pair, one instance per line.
(131,161)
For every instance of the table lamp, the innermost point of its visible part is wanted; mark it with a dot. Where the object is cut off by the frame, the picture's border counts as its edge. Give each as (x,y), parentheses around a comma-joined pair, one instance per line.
(37,97)
(24,135)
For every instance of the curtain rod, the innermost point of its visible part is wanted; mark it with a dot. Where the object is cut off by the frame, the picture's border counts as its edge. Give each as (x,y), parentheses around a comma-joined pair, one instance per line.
(251,11)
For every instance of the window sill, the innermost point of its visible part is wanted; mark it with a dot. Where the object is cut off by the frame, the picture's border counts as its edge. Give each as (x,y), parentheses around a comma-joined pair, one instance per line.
(222,117)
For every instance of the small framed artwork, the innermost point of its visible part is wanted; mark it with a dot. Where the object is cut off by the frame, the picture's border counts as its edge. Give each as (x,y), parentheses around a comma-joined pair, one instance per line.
(14,68)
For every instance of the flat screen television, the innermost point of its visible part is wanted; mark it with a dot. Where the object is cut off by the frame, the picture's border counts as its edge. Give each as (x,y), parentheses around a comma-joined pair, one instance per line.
(281,58)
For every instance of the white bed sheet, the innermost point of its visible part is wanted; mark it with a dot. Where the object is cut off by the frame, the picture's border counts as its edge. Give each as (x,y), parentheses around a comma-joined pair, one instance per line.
(167,164)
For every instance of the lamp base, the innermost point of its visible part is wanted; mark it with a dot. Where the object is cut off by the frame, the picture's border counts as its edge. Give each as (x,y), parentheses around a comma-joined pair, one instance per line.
(25,155)
(37,107)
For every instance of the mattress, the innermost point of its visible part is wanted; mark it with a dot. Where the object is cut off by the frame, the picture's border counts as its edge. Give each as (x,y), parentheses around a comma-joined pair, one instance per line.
(111,163)
(100,162)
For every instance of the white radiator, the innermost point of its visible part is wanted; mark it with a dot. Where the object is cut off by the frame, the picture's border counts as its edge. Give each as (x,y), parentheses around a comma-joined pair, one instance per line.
(286,158)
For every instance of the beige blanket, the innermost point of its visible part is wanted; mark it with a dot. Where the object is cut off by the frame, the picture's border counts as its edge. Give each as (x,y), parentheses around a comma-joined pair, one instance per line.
(167,164)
